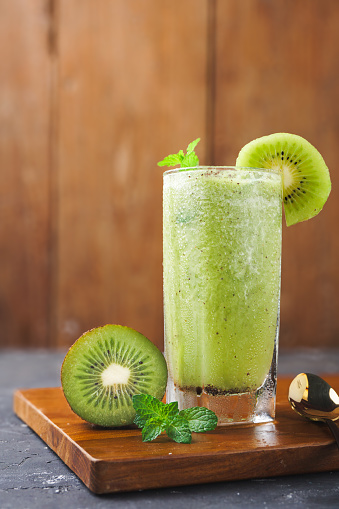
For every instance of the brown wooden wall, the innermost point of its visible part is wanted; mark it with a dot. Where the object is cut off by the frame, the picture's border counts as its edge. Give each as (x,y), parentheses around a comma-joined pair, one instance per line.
(93,93)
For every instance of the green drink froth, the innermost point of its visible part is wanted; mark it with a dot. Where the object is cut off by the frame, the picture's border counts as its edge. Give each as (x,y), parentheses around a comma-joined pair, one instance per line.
(222,252)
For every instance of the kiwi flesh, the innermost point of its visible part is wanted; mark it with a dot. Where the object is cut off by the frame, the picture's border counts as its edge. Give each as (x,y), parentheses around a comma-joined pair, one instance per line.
(105,367)
(306,179)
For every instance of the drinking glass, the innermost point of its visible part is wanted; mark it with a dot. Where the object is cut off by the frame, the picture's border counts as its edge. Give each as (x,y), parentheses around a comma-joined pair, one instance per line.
(221,272)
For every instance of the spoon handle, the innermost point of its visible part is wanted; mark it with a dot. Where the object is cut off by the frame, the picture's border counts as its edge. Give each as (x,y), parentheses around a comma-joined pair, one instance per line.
(335,430)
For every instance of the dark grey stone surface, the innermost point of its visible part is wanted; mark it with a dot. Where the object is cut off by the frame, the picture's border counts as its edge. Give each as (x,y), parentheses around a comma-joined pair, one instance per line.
(32,476)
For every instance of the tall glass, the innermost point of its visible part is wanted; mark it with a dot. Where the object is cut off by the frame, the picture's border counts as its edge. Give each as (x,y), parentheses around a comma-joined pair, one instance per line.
(221,261)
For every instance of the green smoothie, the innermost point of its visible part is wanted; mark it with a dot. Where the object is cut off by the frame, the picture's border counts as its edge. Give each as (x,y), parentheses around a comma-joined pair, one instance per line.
(221,263)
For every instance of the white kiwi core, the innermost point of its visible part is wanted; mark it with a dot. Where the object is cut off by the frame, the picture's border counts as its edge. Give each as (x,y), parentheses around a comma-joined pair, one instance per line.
(287,177)
(115,374)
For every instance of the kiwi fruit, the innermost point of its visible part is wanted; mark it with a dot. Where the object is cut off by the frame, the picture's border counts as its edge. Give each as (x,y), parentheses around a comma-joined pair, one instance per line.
(105,367)
(306,179)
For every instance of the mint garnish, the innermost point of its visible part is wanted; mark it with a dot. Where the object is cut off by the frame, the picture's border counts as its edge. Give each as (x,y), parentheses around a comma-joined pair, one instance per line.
(154,417)
(152,429)
(199,418)
(178,430)
(187,161)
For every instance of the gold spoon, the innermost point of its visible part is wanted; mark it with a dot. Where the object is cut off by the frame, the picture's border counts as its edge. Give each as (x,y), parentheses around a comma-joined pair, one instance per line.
(312,397)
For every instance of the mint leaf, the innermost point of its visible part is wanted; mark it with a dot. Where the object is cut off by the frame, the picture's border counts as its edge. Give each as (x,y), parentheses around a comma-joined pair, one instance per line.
(188,160)
(200,419)
(171,160)
(152,429)
(147,407)
(154,417)
(192,146)
(171,410)
(178,429)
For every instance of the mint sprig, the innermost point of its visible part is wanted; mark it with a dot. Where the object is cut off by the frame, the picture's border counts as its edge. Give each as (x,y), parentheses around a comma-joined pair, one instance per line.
(154,417)
(199,418)
(190,159)
(178,430)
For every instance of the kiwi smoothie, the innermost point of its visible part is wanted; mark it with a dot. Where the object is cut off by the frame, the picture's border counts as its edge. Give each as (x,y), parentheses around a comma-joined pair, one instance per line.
(221,263)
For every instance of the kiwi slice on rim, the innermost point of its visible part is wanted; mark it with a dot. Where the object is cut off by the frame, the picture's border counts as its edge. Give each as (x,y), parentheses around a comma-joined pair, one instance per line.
(306,179)
(105,367)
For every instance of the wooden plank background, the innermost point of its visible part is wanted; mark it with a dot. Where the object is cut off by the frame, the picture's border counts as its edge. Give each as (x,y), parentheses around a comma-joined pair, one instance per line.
(93,94)
(25,131)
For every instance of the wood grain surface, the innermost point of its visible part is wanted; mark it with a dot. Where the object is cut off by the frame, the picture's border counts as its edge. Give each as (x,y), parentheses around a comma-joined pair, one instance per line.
(25,71)
(93,94)
(112,460)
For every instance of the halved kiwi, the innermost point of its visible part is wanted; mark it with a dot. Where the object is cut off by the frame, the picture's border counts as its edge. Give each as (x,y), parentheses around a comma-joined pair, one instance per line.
(306,179)
(105,367)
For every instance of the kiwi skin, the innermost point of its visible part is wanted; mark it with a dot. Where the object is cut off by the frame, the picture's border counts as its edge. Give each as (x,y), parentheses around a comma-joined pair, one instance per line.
(142,369)
(306,179)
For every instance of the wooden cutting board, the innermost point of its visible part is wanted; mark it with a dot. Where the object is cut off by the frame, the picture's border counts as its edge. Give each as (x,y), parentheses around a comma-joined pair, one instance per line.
(112,460)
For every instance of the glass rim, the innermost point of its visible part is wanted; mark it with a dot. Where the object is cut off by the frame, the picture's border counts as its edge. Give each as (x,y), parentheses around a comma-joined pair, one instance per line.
(226,168)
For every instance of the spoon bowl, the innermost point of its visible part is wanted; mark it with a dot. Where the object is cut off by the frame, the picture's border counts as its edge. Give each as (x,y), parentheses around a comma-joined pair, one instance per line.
(312,397)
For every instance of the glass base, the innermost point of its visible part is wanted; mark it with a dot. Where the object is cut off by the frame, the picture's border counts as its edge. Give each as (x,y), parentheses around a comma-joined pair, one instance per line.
(244,408)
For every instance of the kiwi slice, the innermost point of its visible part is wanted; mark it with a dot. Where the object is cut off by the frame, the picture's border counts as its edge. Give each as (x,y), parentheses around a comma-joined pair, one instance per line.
(105,367)
(306,179)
